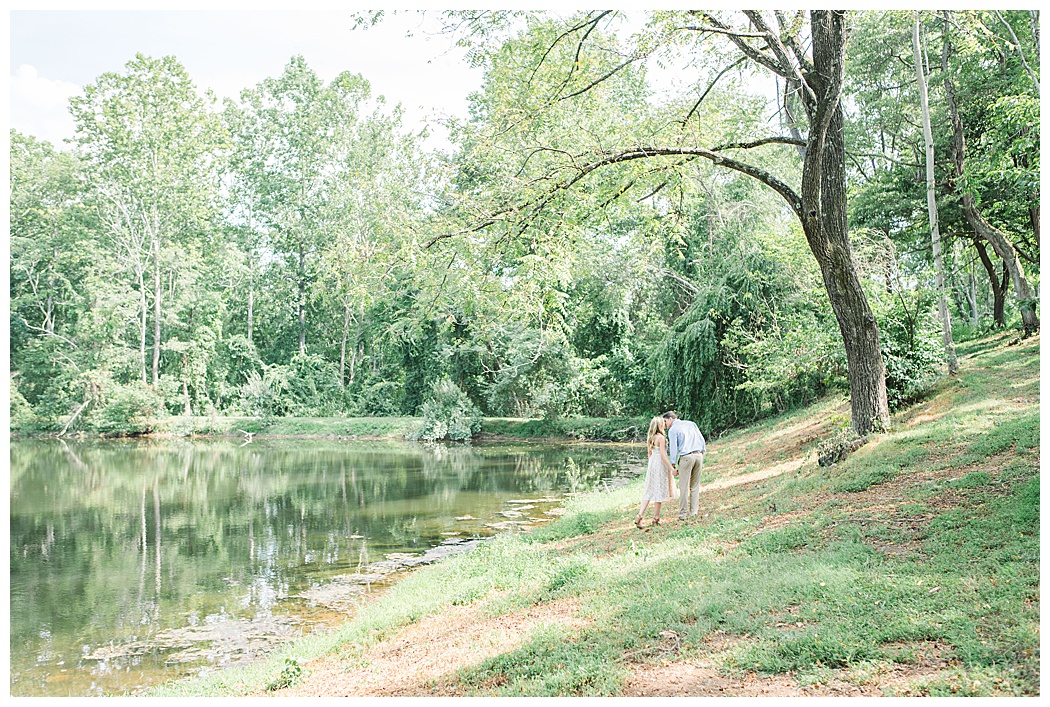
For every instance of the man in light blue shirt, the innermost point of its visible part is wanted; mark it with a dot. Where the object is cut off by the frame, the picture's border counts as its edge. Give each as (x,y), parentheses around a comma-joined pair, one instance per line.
(685,449)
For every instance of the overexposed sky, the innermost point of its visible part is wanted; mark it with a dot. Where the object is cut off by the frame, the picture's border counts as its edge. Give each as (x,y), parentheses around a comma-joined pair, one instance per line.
(232,45)
(54,54)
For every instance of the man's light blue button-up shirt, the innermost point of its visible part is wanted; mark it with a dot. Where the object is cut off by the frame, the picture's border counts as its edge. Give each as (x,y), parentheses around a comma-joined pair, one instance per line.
(683,437)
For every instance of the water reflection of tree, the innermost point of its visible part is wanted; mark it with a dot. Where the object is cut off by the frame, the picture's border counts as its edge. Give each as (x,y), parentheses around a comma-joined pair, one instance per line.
(128,538)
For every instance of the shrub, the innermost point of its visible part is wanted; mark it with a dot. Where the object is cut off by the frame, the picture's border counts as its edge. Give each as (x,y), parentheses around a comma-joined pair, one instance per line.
(170,388)
(313,384)
(911,350)
(22,415)
(448,413)
(130,409)
(382,399)
(262,393)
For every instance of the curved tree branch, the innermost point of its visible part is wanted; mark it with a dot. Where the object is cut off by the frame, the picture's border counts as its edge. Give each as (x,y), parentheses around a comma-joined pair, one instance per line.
(1020,53)
(779,140)
(721,73)
(563,35)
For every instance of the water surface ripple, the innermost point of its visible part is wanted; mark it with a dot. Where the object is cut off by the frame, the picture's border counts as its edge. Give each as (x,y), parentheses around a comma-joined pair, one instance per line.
(137,561)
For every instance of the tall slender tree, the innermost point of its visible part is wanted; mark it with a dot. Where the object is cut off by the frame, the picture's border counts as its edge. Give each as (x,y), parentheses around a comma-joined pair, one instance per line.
(292,135)
(931,201)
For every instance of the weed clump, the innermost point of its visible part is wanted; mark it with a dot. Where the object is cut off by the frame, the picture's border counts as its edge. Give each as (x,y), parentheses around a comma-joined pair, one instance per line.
(291,674)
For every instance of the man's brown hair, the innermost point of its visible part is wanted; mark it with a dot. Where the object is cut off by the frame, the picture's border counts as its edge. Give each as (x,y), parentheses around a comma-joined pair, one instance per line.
(670,415)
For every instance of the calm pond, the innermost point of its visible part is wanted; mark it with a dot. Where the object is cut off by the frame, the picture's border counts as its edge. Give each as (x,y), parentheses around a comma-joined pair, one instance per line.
(138,561)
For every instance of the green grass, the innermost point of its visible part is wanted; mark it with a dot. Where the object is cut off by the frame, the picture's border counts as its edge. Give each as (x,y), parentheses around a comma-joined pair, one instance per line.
(928,537)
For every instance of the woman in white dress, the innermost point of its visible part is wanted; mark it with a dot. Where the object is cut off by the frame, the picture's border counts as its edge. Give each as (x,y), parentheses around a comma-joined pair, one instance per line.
(658,484)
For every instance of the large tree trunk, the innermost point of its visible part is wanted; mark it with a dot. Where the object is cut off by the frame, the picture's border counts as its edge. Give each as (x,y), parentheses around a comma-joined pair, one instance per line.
(931,205)
(999,300)
(824,223)
(999,241)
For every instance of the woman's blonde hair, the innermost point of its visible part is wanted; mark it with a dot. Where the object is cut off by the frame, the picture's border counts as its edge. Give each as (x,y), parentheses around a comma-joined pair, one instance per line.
(656,427)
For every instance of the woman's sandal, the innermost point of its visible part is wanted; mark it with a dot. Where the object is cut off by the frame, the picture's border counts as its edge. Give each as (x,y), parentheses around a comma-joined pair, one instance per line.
(638,522)
(656,521)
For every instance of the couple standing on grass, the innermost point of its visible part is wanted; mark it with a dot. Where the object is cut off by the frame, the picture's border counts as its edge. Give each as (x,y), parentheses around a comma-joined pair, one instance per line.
(677,448)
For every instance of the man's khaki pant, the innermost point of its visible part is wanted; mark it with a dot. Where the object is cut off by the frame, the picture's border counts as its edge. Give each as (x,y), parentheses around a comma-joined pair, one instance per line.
(689,468)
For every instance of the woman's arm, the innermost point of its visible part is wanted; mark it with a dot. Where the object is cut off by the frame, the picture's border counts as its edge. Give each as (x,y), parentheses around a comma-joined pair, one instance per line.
(661,444)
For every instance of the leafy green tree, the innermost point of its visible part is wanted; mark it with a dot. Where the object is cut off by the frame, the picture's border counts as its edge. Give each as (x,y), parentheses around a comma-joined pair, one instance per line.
(1012,114)
(48,227)
(886,143)
(148,142)
(292,136)
(51,265)
(560,69)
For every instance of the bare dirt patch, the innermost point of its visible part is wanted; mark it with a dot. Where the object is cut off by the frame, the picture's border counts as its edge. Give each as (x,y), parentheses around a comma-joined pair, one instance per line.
(769,447)
(928,411)
(422,658)
(764,473)
(701,677)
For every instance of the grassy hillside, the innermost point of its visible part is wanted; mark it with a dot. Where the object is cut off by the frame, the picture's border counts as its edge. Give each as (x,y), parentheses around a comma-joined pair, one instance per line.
(911,568)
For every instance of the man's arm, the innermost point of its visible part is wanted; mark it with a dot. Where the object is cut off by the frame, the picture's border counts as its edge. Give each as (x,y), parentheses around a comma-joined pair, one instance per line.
(673,444)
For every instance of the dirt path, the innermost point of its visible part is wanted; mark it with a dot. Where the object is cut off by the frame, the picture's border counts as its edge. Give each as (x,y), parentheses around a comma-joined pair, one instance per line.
(767,473)
(420,659)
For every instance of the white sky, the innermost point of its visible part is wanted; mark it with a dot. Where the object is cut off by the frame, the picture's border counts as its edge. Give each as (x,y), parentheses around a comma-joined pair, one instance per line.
(227,46)
(55,53)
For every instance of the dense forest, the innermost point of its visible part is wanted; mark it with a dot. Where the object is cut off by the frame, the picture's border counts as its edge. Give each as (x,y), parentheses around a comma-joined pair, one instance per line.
(588,246)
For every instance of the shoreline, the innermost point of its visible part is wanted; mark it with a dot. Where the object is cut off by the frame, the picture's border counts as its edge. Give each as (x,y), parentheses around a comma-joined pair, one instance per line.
(482,438)
(618,429)
(405,570)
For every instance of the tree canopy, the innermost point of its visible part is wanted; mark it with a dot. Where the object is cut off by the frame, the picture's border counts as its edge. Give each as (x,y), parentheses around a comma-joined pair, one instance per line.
(590,246)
